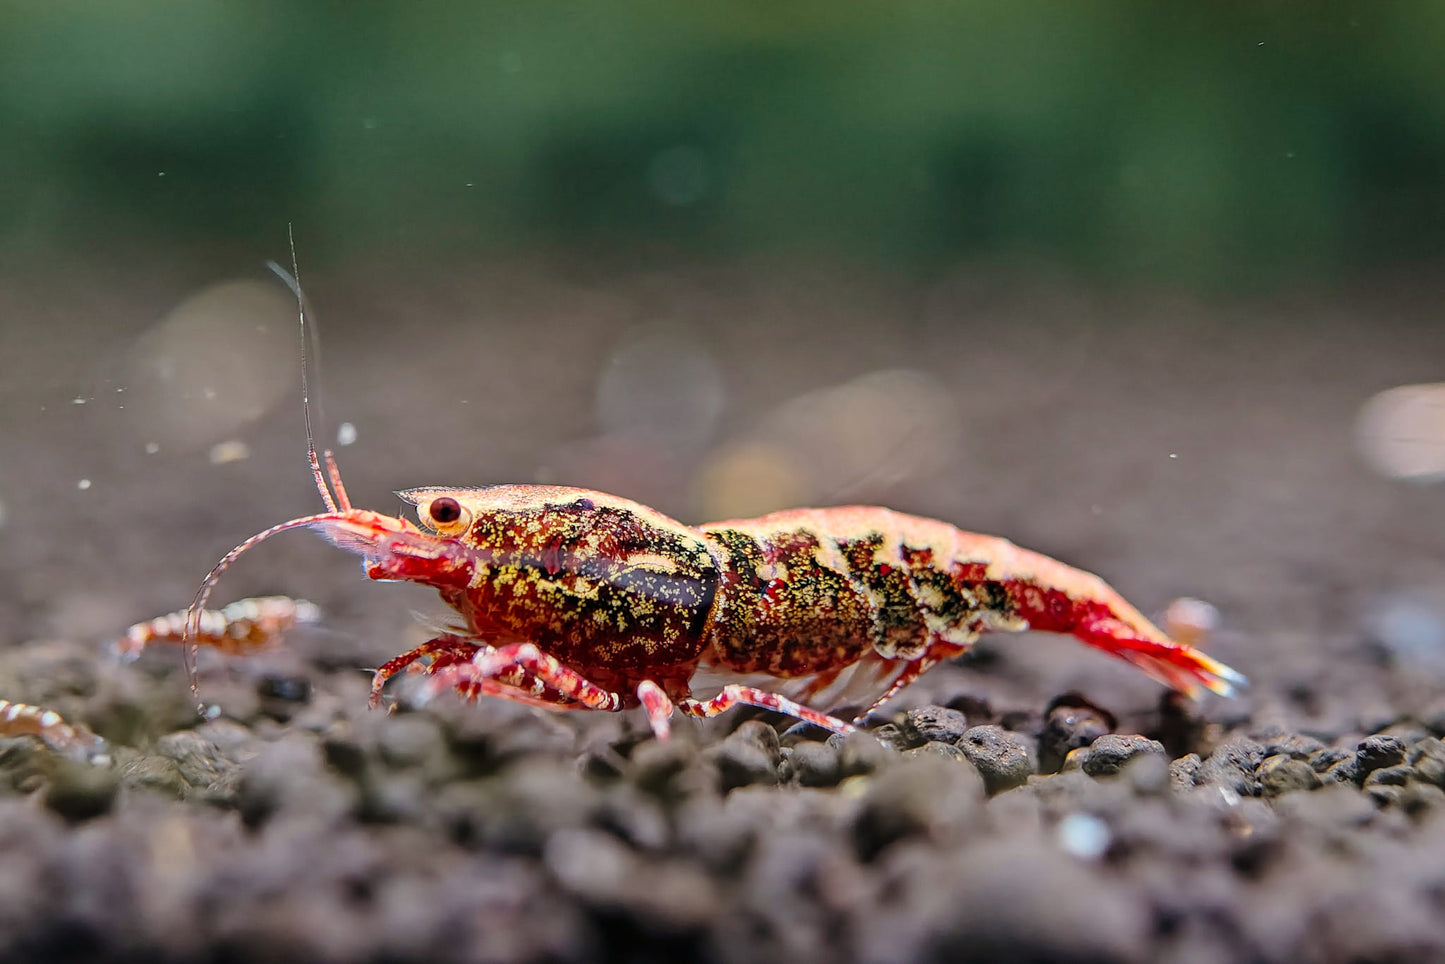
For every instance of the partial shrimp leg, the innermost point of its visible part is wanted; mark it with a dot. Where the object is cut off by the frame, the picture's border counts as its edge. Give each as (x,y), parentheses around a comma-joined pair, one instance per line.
(445,650)
(734,693)
(510,668)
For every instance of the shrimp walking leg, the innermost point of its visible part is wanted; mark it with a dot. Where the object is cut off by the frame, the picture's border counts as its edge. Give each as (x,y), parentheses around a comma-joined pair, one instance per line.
(445,650)
(659,708)
(521,663)
(734,693)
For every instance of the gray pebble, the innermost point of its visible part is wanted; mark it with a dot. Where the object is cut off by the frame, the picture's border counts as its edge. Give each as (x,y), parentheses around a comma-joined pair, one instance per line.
(81,791)
(760,734)
(804,732)
(157,773)
(670,772)
(1148,774)
(1385,794)
(928,797)
(1419,798)
(742,761)
(1068,727)
(25,763)
(1109,753)
(888,734)
(1330,806)
(815,764)
(1294,745)
(1182,772)
(1002,758)
(289,775)
(1428,759)
(945,751)
(392,798)
(927,724)
(1233,765)
(1345,771)
(1396,776)
(1434,717)
(1329,757)
(1375,752)
(410,740)
(1283,773)
(861,753)
(200,762)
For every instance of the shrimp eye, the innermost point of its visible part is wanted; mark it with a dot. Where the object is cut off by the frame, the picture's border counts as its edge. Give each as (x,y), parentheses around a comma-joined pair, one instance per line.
(445,510)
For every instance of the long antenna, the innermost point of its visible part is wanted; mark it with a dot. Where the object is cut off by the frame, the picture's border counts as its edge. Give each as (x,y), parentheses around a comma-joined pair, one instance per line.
(310,340)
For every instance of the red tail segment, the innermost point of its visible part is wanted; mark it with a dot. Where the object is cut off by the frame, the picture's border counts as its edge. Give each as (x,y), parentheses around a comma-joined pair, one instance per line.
(1104,620)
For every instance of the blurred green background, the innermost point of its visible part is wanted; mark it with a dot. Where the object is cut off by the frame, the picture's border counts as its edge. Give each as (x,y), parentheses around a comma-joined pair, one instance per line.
(1224,146)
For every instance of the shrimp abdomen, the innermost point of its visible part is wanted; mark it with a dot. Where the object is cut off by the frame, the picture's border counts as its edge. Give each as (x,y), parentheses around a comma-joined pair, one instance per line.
(809,591)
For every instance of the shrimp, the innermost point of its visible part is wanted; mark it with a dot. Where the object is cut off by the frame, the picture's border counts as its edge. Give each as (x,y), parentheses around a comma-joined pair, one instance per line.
(572,599)
(242,627)
(68,739)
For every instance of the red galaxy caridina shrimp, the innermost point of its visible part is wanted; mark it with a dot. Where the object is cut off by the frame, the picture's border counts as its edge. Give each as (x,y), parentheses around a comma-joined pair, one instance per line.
(573,599)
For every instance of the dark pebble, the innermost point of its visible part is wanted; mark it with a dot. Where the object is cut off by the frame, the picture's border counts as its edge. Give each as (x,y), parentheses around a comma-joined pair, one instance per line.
(741,761)
(1385,794)
(25,763)
(1434,717)
(1345,771)
(1428,759)
(945,751)
(1183,771)
(1283,773)
(156,773)
(1181,728)
(289,774)
(346,756)
(761,735)
(200,762)
(1002,758)
(971,706)
(1070,723)
(815,764)
(82,791)
(1148,774)
(671,771)
(804,732)
(1233,765)
(927,797)
(285,689)
(410,741)
(889,734)
(391,798)
(1375,752)
(1396,776)
(861,753)
(1295,745)
(1109,753)
(1421,798)
(929,724)
(1330,806)
(1329,757)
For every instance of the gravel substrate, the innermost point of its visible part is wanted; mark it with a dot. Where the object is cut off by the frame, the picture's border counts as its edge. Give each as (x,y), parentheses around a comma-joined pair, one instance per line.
(305,828)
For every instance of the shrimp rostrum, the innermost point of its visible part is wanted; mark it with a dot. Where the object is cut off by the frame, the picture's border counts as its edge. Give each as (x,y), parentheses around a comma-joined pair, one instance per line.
(573,599)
